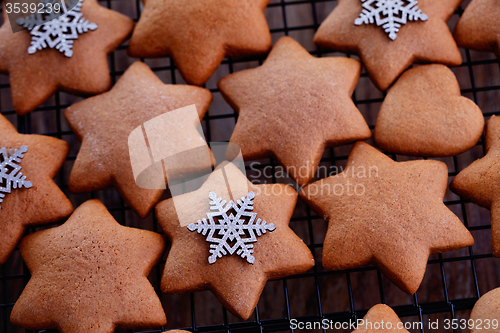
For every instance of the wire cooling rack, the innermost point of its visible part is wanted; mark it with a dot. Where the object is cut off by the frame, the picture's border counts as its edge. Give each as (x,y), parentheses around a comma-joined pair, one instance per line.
(452,283)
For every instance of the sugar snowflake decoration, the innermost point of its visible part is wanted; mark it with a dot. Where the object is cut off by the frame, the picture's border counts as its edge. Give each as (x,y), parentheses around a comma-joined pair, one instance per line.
(231,233)
(10,175)
(58,32)
(390,14)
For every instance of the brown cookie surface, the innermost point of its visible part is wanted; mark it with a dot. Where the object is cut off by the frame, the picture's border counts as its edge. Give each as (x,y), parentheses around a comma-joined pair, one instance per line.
(90,275)
(198,34)
(486,313)
(35,77)
(234,281)
(294,114)
(385,59)
(379,319)
(43,202)
(387,213)
(103,123)
(479,26)
(480,181)
(424,114)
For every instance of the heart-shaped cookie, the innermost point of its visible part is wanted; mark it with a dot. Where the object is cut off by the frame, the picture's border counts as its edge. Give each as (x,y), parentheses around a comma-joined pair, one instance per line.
(424,114)
(485,313)
(380,318)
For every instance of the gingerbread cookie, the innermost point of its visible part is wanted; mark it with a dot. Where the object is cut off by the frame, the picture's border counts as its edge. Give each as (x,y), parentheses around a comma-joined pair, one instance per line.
(28,194)
(425,37)
(486,313)
(479,27)
(35,77)
(262,245)
(104,123)
(380,319)
(386,213)
(198,34)
(480,181)
(90,275)
(294,115)
(424,114)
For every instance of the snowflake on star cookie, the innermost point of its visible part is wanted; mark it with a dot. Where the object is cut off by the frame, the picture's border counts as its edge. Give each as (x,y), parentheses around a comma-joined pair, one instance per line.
(10,175)
(59,32)
(231,233)
(390,14)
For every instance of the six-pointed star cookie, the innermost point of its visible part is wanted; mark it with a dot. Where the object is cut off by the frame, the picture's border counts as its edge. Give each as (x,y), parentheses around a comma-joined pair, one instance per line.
(479,26)
(90,275)
(44,202)
(387,213)
(35,77)
(198,34)
(386,59)
(236,283)
(293,114)
(379,319)
(480,181)
(103,123)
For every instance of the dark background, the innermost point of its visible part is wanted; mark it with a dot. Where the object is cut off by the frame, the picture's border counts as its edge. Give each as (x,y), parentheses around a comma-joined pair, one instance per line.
(452,283)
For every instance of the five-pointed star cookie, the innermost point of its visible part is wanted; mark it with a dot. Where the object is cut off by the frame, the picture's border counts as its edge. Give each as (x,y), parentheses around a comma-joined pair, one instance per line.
(35,77)
(103,123)
(385,59)
(480,181)
(198,34)
(479,26)
(294,114)
(90,275)
(235,282)
(386,213)
(380,319)
(42,203)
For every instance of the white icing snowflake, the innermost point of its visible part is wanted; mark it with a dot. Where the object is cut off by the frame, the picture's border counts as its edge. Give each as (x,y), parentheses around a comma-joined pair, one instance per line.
(10,175)
(390,14)
(231,233)
(57,32)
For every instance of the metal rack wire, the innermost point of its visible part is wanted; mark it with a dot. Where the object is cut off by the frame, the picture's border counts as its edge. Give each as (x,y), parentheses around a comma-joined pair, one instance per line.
(453,281)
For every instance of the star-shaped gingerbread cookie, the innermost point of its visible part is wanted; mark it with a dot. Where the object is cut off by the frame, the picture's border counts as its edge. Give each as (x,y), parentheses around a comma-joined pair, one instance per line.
(38,202)
(479,27)
(294,114)
(198,34)
(35,77)
(380,319)
(236,282)
(386,213)
(428,41)
(480,181)
(104,123)
(90,275)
